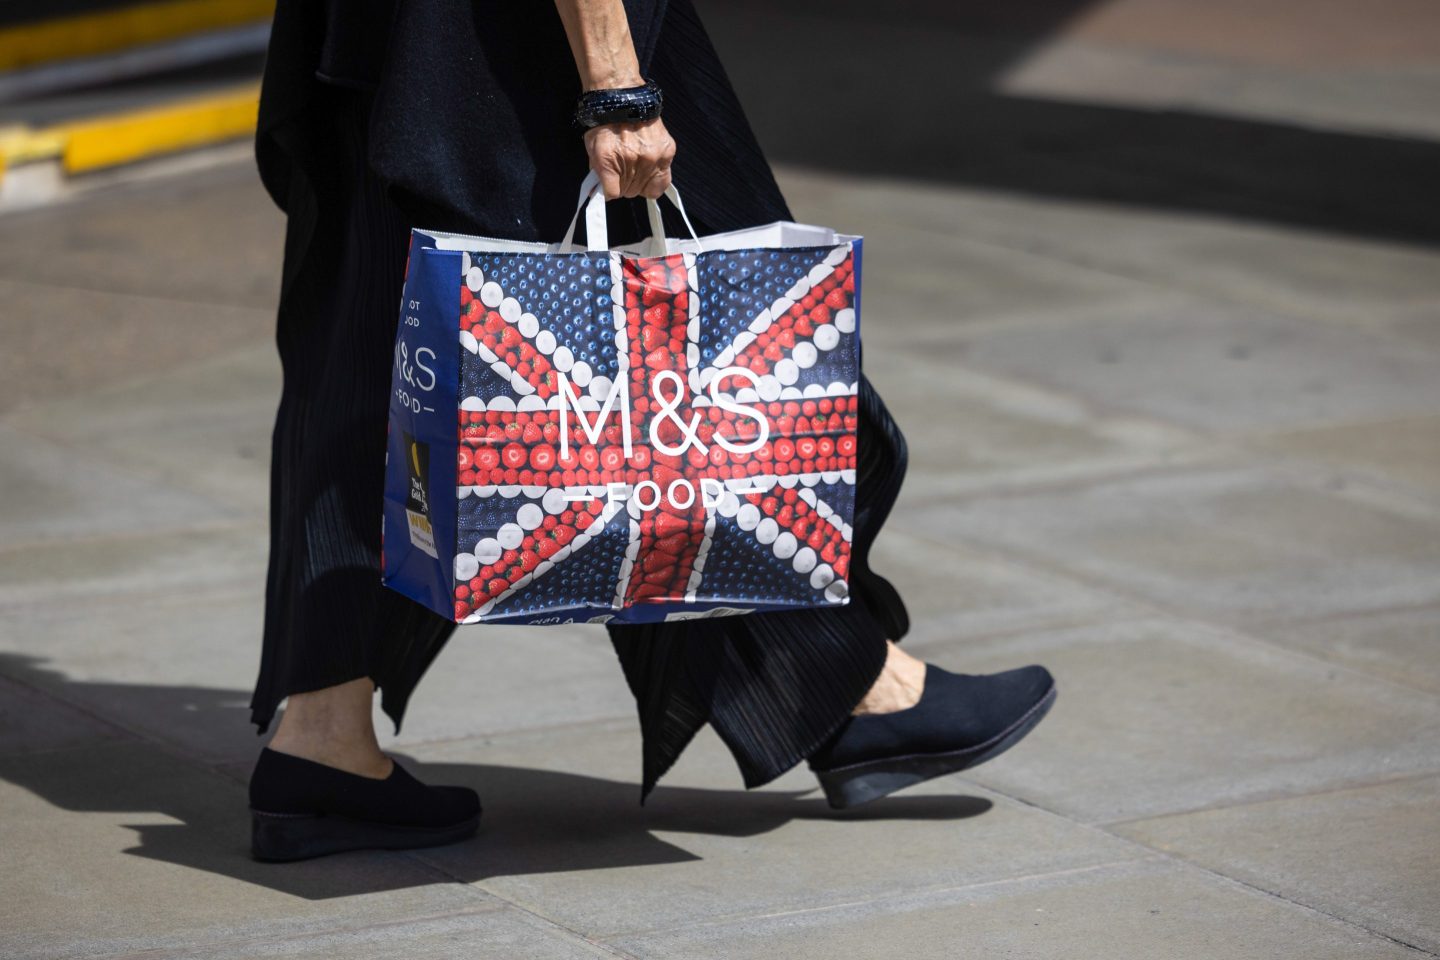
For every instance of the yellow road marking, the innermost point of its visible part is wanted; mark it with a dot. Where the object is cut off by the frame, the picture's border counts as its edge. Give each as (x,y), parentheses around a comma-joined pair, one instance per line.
(106,31)
(107,141)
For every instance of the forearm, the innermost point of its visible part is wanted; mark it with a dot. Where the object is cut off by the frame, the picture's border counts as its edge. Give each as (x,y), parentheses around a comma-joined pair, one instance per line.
(599,36)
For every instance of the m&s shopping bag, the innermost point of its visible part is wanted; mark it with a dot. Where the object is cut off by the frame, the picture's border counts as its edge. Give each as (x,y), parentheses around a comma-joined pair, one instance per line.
(659,430)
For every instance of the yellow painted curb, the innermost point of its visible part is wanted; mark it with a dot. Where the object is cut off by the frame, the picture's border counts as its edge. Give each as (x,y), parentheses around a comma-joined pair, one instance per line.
(108,141)
(106,31)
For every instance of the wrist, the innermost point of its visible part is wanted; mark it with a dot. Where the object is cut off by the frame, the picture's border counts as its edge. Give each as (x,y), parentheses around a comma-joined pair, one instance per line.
(635,103)
(613,81)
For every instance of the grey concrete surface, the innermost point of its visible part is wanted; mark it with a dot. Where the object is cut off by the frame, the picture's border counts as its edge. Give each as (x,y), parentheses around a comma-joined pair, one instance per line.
(1292,847)
(1172,397)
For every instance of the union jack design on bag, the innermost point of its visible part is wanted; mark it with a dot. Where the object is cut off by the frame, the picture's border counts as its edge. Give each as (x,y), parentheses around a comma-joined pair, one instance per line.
(638,437)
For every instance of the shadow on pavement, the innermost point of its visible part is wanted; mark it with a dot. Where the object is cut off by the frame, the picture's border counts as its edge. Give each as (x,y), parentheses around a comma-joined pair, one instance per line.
(914,89)
(535,821)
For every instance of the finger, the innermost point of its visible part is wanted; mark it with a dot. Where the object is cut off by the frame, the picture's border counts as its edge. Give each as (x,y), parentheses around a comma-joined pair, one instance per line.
(632,180)
(609,181)
(658,183)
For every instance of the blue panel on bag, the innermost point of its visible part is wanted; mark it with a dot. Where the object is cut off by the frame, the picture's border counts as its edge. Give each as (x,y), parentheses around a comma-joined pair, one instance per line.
(586,577)
(839,496)
(419,508)
(741,569)
(836,365)
(569,294)
(736,285)
(477,379)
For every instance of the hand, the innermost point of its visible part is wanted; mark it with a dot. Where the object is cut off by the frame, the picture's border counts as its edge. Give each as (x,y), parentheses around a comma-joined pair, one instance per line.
(632,158)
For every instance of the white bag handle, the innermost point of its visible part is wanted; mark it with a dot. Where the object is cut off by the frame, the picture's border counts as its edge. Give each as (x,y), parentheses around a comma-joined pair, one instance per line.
(596,235)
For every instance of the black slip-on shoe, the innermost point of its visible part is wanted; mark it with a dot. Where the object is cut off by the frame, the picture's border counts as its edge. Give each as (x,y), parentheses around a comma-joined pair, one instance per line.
(301,809)
(959,721)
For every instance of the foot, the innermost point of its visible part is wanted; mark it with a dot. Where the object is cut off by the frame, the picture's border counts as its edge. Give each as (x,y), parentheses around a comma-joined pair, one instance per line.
(301,809)
(324,785)
(959,721)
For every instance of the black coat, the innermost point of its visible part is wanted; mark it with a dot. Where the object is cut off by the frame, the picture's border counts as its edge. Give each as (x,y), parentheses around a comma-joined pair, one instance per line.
(473,98)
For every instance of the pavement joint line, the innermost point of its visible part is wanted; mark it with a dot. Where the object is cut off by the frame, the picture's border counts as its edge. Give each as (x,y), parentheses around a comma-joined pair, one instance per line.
(534,912)
(519,733)
(134,737)
(1047,625)
(45,694)
(1149,608)
(1391,490)
(1224,451)
(1020,482)
(1197,291)
(151,599)
(1342,616)
(1008,393)
(1208,458)
(298,937)
(1278,797)
(111,294)
(893,900)
(1255,889)
(46,604)
(1095,409)
(1184,864)
(25,546)
(108,31)
(1197,447)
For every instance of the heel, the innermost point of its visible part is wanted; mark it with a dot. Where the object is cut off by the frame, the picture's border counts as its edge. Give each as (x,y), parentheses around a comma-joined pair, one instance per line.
(283,837)
(848,788)
(859,783)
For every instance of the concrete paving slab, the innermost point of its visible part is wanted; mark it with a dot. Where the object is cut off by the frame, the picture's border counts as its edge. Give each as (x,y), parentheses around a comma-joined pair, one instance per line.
(1402,646)
(967,431)
(1381,99)
(1369,855)
(1405,452)
(491,934)
(138,564)
(123,848)
(203,426)
(568,839)
(953,593)
(176,671)
(56,492)
(1355,281)
(920,284)
(126,239)
(1160,716)
(67,341)
(1210,365)
(492,679)
(1141,911)
(1228,542)
(31,722)
(180,670)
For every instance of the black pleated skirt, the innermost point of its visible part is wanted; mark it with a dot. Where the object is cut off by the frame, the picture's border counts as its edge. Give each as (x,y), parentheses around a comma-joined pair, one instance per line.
(772,685)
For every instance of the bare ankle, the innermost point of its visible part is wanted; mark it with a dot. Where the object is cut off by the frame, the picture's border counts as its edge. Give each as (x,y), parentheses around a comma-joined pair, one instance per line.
(899,686)
(333,726)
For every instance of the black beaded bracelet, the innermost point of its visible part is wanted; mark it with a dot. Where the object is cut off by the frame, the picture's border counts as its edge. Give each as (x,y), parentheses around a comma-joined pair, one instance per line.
(617,104)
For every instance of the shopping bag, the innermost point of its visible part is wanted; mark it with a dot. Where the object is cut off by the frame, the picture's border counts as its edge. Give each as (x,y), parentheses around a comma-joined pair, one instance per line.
(655,431)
